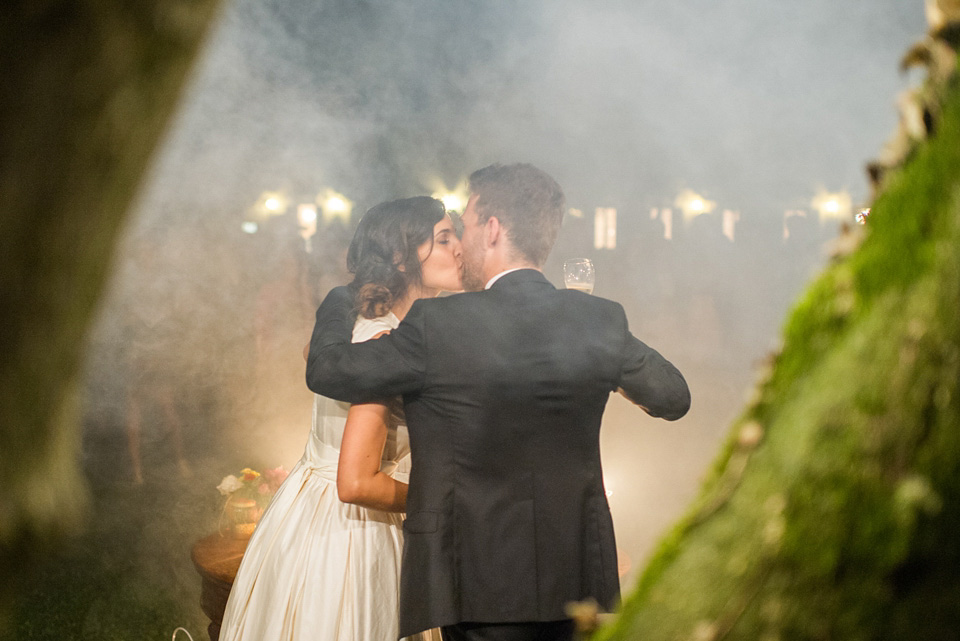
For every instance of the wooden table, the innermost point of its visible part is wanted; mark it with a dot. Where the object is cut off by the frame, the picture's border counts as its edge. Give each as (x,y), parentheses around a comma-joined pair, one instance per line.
(217,559)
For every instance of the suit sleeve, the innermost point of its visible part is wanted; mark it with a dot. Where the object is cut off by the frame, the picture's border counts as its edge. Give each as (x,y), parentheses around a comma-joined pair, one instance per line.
(652,382)
(367,371)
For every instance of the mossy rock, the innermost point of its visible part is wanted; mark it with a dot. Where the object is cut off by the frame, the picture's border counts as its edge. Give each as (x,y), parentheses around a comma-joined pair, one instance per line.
(833,511)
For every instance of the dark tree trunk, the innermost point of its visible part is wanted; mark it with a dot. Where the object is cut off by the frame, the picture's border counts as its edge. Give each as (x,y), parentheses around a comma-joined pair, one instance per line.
(88,87)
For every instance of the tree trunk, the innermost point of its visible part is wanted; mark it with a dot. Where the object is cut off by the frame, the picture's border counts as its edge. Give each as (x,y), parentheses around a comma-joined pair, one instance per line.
(88,86)
(834,510)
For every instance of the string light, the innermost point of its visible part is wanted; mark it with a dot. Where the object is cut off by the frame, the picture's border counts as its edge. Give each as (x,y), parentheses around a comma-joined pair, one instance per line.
(832,204)
(334,205)
(693,204)
(454,200)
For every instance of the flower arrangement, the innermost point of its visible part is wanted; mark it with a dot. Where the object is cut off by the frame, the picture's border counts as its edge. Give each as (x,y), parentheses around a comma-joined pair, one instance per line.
(246,497)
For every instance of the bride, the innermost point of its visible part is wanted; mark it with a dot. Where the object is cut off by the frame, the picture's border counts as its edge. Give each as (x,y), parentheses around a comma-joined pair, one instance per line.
(324,561)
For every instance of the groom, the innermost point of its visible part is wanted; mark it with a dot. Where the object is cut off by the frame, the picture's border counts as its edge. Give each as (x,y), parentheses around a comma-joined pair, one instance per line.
(504,388)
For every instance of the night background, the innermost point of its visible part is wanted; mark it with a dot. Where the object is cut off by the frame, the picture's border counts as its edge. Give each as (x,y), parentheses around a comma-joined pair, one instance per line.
(763,114)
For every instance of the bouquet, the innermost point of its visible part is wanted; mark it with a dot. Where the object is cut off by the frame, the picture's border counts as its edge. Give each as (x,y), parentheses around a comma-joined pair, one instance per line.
(246,497)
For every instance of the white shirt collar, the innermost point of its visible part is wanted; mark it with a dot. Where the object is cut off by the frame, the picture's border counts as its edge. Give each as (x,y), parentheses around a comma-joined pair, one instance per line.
(501,275)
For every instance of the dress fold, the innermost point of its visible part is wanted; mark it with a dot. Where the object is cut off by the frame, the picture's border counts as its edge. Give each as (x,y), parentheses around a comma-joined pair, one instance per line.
(318,569)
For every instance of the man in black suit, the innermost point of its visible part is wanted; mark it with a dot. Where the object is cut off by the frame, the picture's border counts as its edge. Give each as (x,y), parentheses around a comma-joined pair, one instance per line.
(504,388)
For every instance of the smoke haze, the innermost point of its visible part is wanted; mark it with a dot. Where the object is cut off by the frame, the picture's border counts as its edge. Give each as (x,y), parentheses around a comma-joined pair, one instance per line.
(754,105)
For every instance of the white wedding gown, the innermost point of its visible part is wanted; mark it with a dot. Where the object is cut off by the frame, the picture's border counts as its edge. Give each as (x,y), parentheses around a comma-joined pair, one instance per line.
(317,569)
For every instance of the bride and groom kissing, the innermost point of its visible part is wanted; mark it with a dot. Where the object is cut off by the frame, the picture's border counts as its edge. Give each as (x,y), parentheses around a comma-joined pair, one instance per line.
(503,391)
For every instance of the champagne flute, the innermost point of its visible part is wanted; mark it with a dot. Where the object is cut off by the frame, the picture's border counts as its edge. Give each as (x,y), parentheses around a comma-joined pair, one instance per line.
(578,273)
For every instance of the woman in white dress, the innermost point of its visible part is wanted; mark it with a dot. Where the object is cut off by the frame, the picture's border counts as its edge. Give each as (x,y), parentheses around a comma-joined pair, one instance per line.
(324,561)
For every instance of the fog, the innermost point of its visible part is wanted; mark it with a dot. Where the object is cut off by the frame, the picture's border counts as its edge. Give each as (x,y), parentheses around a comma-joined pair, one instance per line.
(755,106)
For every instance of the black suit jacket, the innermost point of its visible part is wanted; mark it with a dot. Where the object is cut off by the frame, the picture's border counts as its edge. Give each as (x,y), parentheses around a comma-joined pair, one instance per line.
(507,519)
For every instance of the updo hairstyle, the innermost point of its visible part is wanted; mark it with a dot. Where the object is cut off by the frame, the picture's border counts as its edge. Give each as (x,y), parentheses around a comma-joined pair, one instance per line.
(387,238)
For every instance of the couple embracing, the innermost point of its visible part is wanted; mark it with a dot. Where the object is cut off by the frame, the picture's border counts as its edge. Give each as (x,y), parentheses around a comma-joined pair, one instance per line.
(503,390)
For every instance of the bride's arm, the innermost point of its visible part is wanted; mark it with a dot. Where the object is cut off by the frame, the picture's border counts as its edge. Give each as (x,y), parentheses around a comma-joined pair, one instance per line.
(359,479)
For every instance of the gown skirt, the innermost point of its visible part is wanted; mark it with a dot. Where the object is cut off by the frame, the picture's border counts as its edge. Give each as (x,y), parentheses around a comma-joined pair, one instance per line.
(318,569)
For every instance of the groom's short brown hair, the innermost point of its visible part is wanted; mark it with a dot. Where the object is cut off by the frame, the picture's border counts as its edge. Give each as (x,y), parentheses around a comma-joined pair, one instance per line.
(528,203)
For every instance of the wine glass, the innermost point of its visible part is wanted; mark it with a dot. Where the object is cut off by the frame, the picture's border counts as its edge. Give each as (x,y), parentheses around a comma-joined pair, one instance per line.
(578,273)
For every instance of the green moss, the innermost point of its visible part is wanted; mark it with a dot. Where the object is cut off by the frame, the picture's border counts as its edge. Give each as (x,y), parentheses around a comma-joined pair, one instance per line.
(832,509)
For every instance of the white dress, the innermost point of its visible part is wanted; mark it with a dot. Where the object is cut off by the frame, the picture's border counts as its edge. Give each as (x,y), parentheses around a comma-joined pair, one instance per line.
(317,569)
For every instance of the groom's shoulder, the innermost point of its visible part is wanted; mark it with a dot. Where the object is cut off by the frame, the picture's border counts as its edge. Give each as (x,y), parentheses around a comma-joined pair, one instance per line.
(589,301)
(446,303)
(595,309)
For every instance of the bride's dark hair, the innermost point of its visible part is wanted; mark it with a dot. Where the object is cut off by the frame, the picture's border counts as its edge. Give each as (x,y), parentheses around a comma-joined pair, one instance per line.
(383,254)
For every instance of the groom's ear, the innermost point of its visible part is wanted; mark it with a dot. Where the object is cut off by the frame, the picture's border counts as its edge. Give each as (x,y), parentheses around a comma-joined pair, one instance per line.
(493,230)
